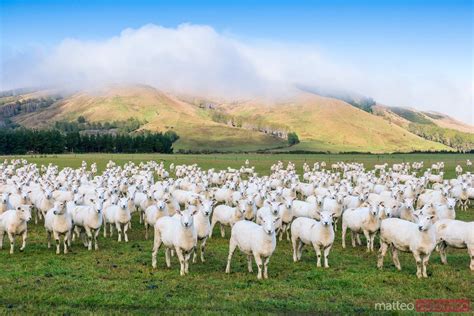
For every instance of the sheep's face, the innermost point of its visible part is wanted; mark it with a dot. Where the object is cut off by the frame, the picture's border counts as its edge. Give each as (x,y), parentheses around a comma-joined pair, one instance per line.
(207,208)
(451,203)
(99,206)
(5,197)
(24,213)
(161,205)
(288,203)
(424,222)
(275,208)
(48,194)
(59,208)
(268,224)
(409,204)
(187,219)
(123,203)
(326,218)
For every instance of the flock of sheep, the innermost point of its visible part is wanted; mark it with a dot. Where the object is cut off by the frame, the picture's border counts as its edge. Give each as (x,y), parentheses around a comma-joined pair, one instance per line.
(411,211)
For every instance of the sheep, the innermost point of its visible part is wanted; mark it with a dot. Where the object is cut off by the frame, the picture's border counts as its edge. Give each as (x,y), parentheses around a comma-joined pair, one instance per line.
(305,209)
(286,211)
(226,216)
(361,220)
(118,215)
(446,211)
(153,213)
(43,202)
(320,234)
(203,226)
(5,202)
(88,219)
(256,240)
(417,238)
(176,232)
(334,205)
(57,222)
(456,234)
(14,223)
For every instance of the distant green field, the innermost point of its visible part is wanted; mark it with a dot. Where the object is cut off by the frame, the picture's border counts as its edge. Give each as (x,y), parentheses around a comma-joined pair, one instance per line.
(119,277)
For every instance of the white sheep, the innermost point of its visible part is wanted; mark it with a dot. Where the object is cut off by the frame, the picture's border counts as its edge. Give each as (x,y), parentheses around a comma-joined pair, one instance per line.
(118,216)
(153,213)
(226,216)
(320,234)
(203,226)
(178,233)
(14,223)
(57,222)
(417,238)
(456,234)
(256,240)
(88,219)
(361,220)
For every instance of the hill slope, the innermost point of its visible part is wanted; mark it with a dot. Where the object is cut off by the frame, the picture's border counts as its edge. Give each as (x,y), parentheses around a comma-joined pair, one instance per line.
(332,125)
(322,123)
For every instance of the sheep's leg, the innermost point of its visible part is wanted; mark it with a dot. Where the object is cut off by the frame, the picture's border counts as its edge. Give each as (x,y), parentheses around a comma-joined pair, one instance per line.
(335,223)
(367,237)
(300,249)
(258,261)
(372,241)
(317,249)
(96,234)
(168,257)
(146,231)
(156,246)
(358,240)
(426,258)
(288,232)
(111,227)
(179,253)
(203,248)
(280,234)
(382,253)
(186,261)
(344,230)
(294,243)
(66,242)
(49,240)
(11,237)
(56,238)
(470,250)
(249,263)
(395,259)
(353,238)
(222,231)
(419,264)
(125,229)
(213,223)
(119,231)
(232,246)
(2,235)
(265,268)
(89,238)
(326,255)
(442,252)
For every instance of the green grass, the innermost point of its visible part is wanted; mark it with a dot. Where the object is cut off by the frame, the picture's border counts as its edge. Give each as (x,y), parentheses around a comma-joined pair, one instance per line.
(119,277)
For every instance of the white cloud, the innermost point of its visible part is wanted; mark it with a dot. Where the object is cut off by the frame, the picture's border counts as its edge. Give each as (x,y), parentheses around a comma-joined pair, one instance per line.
(197,59)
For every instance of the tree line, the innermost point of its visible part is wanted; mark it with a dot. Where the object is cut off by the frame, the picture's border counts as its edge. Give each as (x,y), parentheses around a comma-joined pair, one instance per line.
(23,141)
(463,142)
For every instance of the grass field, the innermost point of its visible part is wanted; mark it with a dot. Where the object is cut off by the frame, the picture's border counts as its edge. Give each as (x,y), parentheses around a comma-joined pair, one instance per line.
(119,277)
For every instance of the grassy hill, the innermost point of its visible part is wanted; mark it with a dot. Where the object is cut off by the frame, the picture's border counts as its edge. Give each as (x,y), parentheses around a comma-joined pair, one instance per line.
(328,124)
(322,123)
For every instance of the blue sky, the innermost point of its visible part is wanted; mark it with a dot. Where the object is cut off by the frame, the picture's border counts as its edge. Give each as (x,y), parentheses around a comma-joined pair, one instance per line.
(416,39)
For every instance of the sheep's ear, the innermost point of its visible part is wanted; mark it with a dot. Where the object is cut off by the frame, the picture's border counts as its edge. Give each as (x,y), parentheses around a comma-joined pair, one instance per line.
(276,219)
(333,214)
(194,212)
(179,212)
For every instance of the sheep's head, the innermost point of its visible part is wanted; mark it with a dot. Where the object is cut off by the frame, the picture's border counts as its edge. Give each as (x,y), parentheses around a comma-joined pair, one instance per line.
(5,198)
(59,208)
(186,216)
(268,224)
(326,218)
(24,212)
(424,221)
(451,203)
(207,207)
(123,203)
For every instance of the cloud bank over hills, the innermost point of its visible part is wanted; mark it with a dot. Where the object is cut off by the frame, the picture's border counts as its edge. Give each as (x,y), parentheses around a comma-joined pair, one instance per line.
(199,60)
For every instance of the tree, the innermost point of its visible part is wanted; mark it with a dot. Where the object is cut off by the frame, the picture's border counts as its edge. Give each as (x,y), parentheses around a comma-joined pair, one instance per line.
(293,139)
(81,119)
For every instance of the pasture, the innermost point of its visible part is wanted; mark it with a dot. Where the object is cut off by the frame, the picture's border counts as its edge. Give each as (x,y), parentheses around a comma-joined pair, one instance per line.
(119,277)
